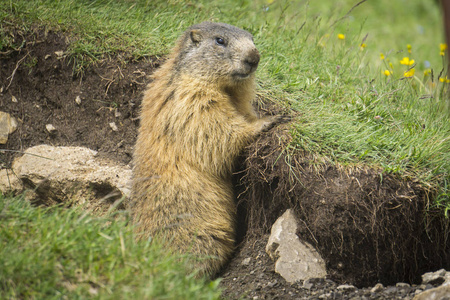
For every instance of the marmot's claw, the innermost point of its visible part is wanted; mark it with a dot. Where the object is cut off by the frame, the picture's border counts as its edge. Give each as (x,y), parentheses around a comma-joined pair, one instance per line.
(283,119)
(276,120)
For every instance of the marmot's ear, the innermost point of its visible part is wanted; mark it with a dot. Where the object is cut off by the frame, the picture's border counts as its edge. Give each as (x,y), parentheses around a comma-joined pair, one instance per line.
(196,36)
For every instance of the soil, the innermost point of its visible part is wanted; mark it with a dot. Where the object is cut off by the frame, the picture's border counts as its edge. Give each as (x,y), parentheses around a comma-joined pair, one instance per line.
(369,226)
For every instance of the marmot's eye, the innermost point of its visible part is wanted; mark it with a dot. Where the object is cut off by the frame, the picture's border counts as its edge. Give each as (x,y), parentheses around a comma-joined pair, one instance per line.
(220,41)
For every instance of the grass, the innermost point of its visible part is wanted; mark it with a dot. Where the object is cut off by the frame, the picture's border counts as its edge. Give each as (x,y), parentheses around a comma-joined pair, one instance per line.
(351,112)
(55,253)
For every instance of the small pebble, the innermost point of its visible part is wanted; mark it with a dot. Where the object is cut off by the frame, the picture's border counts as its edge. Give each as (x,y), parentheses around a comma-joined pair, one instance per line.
(391,290)
(325,296)
(307,285)
(402,285)
(246,261)
(50,128)
(377,288)
(346,287)
(113,126)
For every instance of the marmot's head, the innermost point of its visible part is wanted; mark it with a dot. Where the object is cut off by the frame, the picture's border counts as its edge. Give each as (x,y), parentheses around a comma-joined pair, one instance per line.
(217,52)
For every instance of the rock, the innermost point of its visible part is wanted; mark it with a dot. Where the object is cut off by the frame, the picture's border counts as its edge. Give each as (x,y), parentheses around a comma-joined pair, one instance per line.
(8,125)
(434,278)
(113,126)
(377,288)
(346,287)
(418,291)
(246,261)
(78,100)
(308,284)
(271,284)
(59,54)
(402,285)
(440,293)
(71,175)
(50,128)
(295,259)
(9,182)
(391,290)
(14,99)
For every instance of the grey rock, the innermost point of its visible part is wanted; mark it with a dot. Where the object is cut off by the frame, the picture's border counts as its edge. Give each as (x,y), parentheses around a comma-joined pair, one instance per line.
(346,287)
(418,291)
(434,278)
(439,293)
(246,261)
(377,288)
(307,284)
(8,125)
(62,174)
(402,285)
(113,126)
(295,260)
(50,128)
(9,182)
(391,290)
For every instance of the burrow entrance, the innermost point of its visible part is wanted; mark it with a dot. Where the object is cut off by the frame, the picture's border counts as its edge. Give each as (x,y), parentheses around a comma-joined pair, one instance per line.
(369,226)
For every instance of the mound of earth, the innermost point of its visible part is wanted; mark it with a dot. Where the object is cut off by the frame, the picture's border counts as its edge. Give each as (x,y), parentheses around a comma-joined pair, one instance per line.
(368,226)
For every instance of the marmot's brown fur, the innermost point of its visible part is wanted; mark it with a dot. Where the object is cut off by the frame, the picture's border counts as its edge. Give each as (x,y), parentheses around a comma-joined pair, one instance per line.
(196,118)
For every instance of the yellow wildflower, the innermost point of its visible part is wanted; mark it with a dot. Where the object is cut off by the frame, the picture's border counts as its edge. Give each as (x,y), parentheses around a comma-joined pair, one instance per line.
(444,79)
(387,72)
(381,56)
(406,61)
(362,46)
(427,72)
(409,48)
(409,73)
(442,47)
(341,36)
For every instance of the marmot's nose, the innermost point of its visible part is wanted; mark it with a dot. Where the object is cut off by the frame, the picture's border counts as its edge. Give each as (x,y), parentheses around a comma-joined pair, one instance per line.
(252,59)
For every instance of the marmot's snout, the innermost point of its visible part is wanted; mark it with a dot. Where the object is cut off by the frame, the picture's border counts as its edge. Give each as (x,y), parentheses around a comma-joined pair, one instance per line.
(248,64)
(252,60)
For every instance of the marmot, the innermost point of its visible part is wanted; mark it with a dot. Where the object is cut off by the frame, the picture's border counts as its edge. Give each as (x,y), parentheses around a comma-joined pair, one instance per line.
(196,118)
